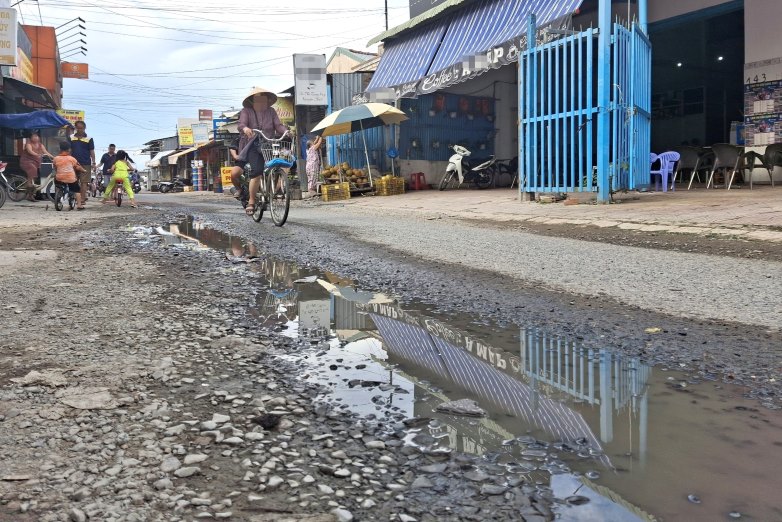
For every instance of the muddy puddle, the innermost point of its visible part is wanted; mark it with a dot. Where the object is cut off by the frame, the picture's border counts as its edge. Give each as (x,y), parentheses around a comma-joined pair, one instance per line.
(622,440)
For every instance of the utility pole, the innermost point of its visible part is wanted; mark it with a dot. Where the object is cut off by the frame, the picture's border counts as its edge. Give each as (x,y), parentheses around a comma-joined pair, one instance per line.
(386,15)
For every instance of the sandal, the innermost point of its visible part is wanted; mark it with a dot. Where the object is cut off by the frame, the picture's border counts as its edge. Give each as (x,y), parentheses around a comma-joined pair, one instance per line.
(249,209)
(80,208)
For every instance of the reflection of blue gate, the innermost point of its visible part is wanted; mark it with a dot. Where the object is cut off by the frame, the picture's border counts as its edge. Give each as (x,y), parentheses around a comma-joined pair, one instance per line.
(585,128)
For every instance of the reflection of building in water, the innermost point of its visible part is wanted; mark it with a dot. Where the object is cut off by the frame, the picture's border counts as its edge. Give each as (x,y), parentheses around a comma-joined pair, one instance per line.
(615,383)
(487,382)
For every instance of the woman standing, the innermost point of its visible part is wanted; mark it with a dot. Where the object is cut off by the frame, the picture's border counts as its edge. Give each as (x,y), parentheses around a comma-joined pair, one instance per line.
(313,164)
(30,161)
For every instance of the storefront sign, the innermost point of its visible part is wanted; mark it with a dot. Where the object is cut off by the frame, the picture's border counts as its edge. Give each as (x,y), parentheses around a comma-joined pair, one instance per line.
(309,73)
(284,108)
(71,115)
(225,175)
(185,131)
(79,71)
(8,32)
(205,114)
(185,136)
(504,54)
(200,132)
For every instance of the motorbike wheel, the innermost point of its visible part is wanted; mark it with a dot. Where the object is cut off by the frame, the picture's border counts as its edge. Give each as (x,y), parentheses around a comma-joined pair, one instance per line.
(484,179)
(446,180)
(165,188)
(58,199)
(17,188)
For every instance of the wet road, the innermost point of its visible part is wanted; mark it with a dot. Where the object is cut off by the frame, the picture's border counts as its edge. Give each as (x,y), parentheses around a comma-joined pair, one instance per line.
(601,423)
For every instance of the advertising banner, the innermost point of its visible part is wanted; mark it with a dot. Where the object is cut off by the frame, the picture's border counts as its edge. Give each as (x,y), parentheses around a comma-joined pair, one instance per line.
(71,115)
(205,114)
(309,73)
(8,35)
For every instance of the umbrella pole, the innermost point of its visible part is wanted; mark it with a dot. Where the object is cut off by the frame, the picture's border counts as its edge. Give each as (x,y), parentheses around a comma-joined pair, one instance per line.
(366,153)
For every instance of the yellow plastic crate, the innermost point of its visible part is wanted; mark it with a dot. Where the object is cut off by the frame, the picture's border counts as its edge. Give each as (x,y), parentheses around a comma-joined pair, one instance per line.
(390,186)
(335,192)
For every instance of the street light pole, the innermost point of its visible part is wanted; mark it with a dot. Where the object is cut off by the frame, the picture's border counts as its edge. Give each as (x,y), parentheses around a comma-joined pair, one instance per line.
(386,15)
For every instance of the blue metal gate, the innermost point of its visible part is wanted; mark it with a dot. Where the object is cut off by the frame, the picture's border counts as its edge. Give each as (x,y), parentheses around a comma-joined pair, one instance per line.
(630,108)
(557,107)
(561,103)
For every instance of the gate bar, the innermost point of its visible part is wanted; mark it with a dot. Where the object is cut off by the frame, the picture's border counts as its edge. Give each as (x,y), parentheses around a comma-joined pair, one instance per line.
(603,100)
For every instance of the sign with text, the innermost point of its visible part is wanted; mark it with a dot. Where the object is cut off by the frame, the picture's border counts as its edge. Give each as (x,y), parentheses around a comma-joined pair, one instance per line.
(225,175)
(71,115)
(79,71)
(309,74)
(185,131)
(200,132)
(284,108)
(205,114)
(8,43)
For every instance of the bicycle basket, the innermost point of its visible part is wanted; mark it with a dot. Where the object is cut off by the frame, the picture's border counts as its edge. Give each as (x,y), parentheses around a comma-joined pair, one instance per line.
(282,150)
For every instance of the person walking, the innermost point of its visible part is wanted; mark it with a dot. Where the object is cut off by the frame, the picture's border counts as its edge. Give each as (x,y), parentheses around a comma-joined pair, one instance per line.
(83,149)
(106,162)
(313,165)
(30,161)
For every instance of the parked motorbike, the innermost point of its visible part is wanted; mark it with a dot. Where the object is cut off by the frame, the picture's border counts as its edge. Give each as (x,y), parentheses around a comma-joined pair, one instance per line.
(459,171)
(178,185)
(135,182)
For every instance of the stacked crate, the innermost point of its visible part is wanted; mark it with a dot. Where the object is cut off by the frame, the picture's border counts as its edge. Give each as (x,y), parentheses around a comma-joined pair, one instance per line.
(335,191)
(390,186)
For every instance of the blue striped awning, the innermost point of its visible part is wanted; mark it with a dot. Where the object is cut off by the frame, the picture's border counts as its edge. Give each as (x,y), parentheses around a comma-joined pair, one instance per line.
(484,25)
(407,59)
(460,35)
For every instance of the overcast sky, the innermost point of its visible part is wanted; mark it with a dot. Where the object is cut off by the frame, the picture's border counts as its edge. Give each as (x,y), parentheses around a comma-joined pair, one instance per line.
(152,61)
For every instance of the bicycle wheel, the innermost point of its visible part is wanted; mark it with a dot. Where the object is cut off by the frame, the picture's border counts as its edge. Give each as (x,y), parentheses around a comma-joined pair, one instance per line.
(258,210)
(58,199)
(48,191)
(17,188)
(280,196)
(119,198)
(449,176)
(71,200)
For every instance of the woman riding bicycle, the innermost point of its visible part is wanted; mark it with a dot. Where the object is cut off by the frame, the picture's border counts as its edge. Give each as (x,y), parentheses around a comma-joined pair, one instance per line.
(257,113)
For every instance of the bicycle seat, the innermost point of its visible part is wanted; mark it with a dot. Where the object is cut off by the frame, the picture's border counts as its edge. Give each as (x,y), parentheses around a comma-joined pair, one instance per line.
(279,162)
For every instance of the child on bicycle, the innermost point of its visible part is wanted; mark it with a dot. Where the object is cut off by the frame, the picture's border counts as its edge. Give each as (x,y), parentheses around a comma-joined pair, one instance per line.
(66,169)
(120,173)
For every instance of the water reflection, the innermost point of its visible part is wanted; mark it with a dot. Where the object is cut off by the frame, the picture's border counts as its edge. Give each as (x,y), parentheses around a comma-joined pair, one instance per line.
(557,411)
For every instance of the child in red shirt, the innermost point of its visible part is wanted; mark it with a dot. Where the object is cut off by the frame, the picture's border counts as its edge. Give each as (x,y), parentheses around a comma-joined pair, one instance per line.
(66,168)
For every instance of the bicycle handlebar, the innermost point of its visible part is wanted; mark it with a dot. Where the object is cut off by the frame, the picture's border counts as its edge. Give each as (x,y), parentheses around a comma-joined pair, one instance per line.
(259,131)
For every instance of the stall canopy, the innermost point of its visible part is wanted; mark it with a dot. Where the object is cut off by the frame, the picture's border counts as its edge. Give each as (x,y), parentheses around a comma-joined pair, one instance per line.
(155,162)
(33,120)
(30,92)
(484,35)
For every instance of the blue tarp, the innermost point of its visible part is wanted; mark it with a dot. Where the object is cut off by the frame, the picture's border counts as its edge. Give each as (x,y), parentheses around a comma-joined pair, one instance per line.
(33,120)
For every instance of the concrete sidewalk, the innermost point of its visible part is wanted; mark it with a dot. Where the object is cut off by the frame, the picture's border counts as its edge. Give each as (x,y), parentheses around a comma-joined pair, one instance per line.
(755,214)
(739,213)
